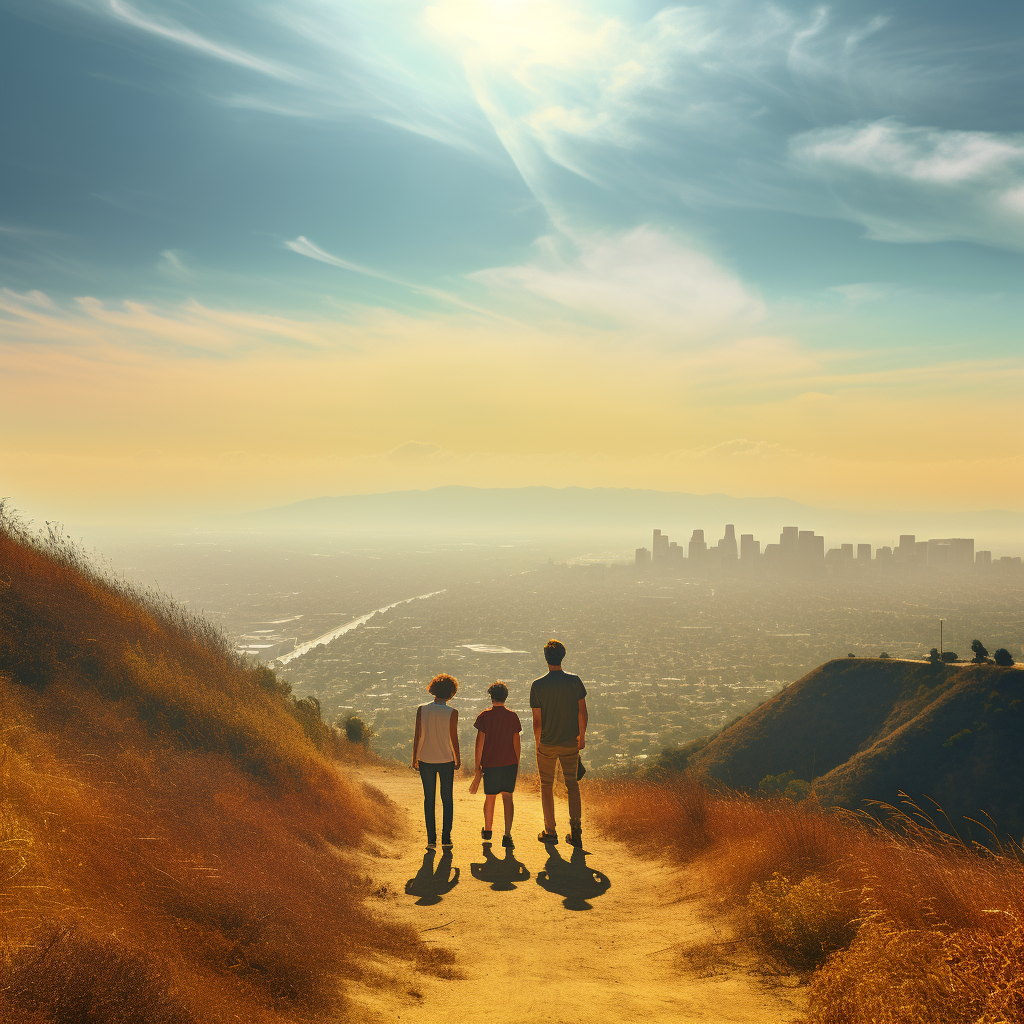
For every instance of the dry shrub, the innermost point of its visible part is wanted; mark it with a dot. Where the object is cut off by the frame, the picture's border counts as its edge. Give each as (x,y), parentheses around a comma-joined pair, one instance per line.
(891,975)
(804,922)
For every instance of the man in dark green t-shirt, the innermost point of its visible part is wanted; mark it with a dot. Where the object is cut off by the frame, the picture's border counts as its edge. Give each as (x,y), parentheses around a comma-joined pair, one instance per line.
(559,702)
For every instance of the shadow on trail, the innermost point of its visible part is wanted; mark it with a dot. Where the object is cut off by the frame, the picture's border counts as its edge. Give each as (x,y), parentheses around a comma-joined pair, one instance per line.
(502,874)
(574,879)
(431,884)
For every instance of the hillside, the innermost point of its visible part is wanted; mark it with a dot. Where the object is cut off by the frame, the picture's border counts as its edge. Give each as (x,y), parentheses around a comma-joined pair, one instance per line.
(867,729)
(176,844)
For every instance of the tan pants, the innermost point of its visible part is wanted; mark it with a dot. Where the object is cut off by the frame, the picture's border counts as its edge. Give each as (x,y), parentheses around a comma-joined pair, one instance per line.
(569,758)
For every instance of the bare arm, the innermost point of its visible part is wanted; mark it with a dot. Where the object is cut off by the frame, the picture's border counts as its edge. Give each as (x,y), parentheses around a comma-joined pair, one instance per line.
(453,730)
(584,718)
(517,746)
(479,752)
(416,742)
(536,725)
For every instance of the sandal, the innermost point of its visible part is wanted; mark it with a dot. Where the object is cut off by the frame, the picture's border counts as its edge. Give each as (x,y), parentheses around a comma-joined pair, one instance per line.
(547,837)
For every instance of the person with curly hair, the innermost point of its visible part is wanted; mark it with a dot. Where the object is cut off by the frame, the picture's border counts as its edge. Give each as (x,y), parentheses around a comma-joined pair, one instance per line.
(435,755)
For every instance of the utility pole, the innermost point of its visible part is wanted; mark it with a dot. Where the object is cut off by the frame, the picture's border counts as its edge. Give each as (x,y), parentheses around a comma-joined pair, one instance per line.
(940,638)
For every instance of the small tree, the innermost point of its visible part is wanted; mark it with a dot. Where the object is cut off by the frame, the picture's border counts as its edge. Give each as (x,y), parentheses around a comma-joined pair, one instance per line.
(980,653)
(883,655)
(1002,657)
(949,656)
(356,730)
(933,654)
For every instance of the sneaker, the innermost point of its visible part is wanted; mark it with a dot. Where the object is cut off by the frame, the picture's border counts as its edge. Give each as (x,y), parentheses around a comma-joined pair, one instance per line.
(485,834)
(506,841)
(547,837)
(575,837)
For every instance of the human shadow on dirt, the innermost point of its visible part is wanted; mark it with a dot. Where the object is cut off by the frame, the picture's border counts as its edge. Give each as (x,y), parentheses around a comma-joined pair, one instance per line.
(503,873)
(430,883)
(572,879)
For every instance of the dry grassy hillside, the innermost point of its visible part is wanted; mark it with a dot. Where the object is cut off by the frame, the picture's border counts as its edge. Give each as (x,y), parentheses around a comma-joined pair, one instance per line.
(175,838)
(871,729)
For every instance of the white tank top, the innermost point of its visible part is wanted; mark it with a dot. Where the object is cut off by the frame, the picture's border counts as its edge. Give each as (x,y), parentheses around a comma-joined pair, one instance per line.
(435,734)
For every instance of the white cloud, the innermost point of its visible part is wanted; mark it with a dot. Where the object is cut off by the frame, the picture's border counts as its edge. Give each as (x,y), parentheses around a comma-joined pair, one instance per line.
(639,279)
(907,183)
(890,149)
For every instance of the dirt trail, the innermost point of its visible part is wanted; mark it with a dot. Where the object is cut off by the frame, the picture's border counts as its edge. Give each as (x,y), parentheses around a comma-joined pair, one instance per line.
(549,935)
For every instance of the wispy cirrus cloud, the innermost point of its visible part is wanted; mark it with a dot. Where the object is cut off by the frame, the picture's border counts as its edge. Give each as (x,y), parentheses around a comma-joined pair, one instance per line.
(89,325)
(172,31)
(304,247)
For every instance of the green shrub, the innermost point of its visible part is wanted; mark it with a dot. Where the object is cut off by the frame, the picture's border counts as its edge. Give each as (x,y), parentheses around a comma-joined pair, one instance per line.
(356,730)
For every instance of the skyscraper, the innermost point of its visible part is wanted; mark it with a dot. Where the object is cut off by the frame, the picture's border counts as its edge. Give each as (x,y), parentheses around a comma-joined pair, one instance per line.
(697,548)
(727,545)
(953,553)
(659,547)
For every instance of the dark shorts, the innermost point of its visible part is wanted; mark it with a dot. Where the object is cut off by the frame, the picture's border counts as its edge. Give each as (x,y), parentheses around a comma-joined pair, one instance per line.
(500,780)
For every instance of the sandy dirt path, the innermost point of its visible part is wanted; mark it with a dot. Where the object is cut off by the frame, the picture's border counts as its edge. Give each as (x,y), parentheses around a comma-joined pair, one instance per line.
(548,934)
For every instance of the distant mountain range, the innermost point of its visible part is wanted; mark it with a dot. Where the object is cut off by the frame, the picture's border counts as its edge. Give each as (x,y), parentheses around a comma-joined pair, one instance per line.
(867,729)
(622,513)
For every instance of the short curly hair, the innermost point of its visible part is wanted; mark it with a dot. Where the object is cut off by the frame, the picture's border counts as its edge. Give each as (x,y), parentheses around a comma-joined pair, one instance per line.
(498,692)
(443,686)
(554,652)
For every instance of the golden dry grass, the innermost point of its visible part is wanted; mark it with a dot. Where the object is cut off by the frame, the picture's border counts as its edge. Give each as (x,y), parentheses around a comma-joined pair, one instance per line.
(898,923)
(175,838)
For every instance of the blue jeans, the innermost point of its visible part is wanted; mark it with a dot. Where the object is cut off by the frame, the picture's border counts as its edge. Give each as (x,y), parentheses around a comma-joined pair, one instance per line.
(446,773)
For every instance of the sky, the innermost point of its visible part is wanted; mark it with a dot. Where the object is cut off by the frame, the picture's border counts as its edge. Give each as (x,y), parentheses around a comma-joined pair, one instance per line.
(254,252)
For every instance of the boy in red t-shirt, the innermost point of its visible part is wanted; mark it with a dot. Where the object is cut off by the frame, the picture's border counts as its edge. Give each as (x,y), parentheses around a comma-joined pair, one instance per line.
(497,759)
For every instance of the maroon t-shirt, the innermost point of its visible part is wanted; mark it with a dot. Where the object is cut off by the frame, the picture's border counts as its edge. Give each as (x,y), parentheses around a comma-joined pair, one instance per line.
(498,725)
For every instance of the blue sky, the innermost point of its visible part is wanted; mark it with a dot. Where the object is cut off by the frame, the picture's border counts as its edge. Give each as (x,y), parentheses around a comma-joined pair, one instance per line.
(845,180)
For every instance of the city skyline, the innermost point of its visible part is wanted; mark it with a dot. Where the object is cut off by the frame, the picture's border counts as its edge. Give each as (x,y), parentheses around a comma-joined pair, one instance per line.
(804,550)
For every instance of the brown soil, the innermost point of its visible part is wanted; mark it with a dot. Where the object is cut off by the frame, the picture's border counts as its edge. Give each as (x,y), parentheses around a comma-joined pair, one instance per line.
(553,935)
